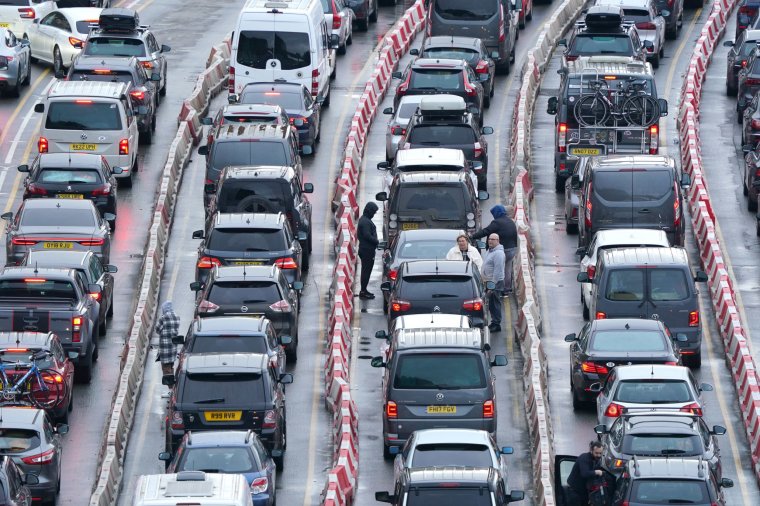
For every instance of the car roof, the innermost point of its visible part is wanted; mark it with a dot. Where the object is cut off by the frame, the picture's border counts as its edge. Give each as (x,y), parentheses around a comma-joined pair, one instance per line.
(617,162)
(410,99)
(451,473)
(249,272)
(252,110)
(236,324)
(433,177)
(211,363)
(14,415)
(645,256)
(453,337)
(687,468)
(751,35)
(81,13)
(625,4)
(656,371)
(249,220)
(71,160)
(632,236)
(245,131)
(41,272)
(59,259)
(422,234)
(417,267)
(464,436)
(451,41)
(59,203)
(95,89)
(431,321)
(258,172)
(216,438)
(36,339)
(626,324)
(437,63)
(430,156)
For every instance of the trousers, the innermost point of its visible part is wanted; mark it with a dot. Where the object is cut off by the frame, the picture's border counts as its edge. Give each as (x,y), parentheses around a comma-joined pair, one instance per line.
(367,264)
(494,303)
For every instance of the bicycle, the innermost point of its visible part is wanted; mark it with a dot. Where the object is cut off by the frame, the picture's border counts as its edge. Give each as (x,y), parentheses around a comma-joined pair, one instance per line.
(638,108)
(32,388)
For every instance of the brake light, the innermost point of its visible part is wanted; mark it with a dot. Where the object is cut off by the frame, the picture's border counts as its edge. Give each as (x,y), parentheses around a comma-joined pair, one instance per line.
(305,120)
(561,137)
(33,189)
(393,274)
(42,145)
(336,20)
(471,91)
(592,368)
(315,82)
(757,172)
(482,67)
(391,410)
(96,296)
(478,150)
(40,459)
(208,263)
(231,81)
(83,102)
(92,242)
(591,271)
(600,315)
(281,306)
(654,139)
(270,419)
(693,318)
(488,409)
(619,463)
(589,208)
(206,306)
(32,280)
(671,363)
(752,81)
(138,94)
(400,305)
(676,209)
(259,485)
(397,130)
(692,408)
(286,263)
(24,242)
(76,329)
(647,25)
(103,191)
(613,410)
(571,58)
(473,305)
(755,124)
(124,147)
(76,42)
(502,28)
(744,63)
(177,423)
(146,64)
(26,13)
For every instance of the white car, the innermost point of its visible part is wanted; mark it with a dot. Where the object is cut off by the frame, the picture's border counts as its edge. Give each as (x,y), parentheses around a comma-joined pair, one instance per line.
(18,15)
(58,37)
(650,24)
(618,238)
(398,122)
(341,19)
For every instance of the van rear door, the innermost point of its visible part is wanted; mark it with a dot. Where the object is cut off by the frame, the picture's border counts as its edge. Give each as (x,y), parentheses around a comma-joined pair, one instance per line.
(672,298)
(654,193)
(612,199)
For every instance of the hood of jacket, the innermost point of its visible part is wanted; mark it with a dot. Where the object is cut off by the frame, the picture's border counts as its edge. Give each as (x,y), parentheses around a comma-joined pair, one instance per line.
(498,211)
(370,209)
(497,247)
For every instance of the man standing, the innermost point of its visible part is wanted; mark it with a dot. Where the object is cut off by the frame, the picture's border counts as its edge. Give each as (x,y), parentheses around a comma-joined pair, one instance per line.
(367,235)
(493,270)
(505,227)
(584,470)
(167,327)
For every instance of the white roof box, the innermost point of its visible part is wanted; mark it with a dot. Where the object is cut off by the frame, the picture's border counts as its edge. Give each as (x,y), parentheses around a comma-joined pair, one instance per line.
(442,104)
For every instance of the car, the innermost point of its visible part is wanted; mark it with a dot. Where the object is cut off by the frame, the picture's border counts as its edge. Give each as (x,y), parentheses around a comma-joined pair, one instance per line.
(745,12)
(365,12)
(614,238)
(410,322)
(737,57)
(470,49)
(113,39)
(15,63)
(90,266)
(236,334)
(659,434)
(22,349)
(659,386)
(227,451)
(340,18)
(229,391)
(573,195)
(604,344)
(58,37)
(751,123)
(30,440)
(83,3)
(437,286)
(672,12)
(399,119)
(183,488)
(19,15)
(748,80)
(751,179)
(252,290)
(303,111)
(57,224)
(244,113)
(430,159)
(526,13)
(649,22)
(249,239)
(142,87)
(74,176)
(14,485)
(432,76)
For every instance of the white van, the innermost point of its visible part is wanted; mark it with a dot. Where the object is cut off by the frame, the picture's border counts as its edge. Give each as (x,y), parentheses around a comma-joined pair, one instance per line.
(192,487)
(287,40)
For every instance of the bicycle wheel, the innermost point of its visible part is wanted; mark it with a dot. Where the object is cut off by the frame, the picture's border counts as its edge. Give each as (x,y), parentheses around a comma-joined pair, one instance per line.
(641,110)
(46,389)
(591,111)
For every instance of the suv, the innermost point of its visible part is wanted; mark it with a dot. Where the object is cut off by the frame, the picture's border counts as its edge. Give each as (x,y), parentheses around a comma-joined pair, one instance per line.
(228,391)
(120,34)
(264,189)
(437,378)
(604,31)
(142,87)
(250,144)
(430,159)
(411,322)
(737,56)
(244,113)
(431,200)
(748,82)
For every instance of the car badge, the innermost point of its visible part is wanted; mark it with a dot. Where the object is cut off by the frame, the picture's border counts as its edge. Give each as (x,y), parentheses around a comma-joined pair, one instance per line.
(68,188)
(610,364)
(83,136)
(655,316)
(436,309)
(244,309)
(439,396)
(102,138)
(272,63)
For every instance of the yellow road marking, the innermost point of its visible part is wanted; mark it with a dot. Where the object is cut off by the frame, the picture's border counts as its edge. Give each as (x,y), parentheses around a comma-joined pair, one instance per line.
(17,179)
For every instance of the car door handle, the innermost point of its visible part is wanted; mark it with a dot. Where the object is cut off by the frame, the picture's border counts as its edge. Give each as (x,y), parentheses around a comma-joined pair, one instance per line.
(644,211)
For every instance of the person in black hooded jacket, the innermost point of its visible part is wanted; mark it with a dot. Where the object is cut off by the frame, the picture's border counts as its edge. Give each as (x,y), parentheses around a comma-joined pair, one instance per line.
(367,235)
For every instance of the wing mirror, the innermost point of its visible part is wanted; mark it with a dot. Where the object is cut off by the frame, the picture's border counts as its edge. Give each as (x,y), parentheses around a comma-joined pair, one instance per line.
(705,387)
(23,168)
(681,338)
(663,104)
(112,269)
(381,334)
(478,323)
(571,338)
(301,235)
(155,77)
(62,428)
(285,340)
(582,277)
(165,456)
(718,430)
(165,48)
(601,429)
(307,150)
(94,288)
(499,361)
(286,378)
(383,166)
(507,450)
(385,286)
(551,107)
(178,339)
(7,216)
(381,196)
(73,355)
(39,107)
(232,98)
(581,251)
(117,170)
(109,216)
(382,245)
(397,75)
(168,380)
(198,234)
(665,13)
(562,42)
(209,188)
(483,195)
(334,42)
(595,387)
(207,120)
(648,44)
(726,483)
(31,479)
(575,182)
(486,130)
(308,188)
(377,362)
(414,52)
(388,110)
(203,150)
(384,497)
(685,180)
(728,43)
(196,286)
(700,277)
(142,110)
(515,495)
(297,286)
(490,285)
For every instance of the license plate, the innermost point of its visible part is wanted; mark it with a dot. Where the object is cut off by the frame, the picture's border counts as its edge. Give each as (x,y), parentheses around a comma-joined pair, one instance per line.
(57,245)
(586,151)
(248,262)
(410,226)
(69,196)
(84,147)
(5,25)
(223,416)
(441,410)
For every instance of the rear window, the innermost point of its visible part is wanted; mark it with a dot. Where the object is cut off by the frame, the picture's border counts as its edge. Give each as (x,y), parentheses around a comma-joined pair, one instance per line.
(437,79)
(292,49)
(449,496)
(406,110)
(452,454)
(601,44)
(668,285)
(225,154)
(37,288)
(437,287)
(625,285)
(443,203)
(662,444)
(18,440)
(670,492)
(633,186)
(431,249)
(83,115)
(22,356)
(82,26)
(247,239)
(244,292)
(454,53)
(110,76)
(652,185)
(15,2)
(628,341)
(114,46)
(442,135)
(219,389)
(439,371)
(466,10)
(327,6)
(250,197)
(229,344)
(217,460)
(68,176)
(747,47)
(653,392)
(288,101)
(637,16)
(57,218)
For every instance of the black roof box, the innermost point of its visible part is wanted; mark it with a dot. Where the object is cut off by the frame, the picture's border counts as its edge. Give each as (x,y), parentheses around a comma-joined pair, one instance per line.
(119,20)
(604,17)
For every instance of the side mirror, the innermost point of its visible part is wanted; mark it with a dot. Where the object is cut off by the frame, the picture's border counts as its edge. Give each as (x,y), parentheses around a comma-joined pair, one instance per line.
(307,150)
(562,42)
(382,166)
(681,338)
(601,429)
(575,182)
(301,235)
(40,107)
(298,122)
(276,453)
(109,216)
(507,450)
(286,378)
(178,340)
(685,180)
(111,269)
(394,450)
(155,77)
(663,104)
(232,98)
(285,340)
(582,277)
(728,43)
(726,483)
(198,234)
(718,430)
(648,44)
(486,130)
(165,456)
(297,286)
(23,168)
(7,216)
(381,245)
(571,338)
(483,195)
(478,323)
(385,286)
(595,387)
(484,77)
(705,387)
(490,285)
(581,252)
(209,188)
(73,355)
(476,166)
(701,277)
(308,188)
(196,286)
(381,334)
(414,52)
(388,110)
(665,13)
(551,107)
(495,55)
(117,170)
(63,429)
(94,288)
(31,479)
(515,495)
(165,48)
(384,497)
(377,362)
(207,120)
(397,75)
(472,109)
(381,197)
(334,42)
(499,361)
(203,150)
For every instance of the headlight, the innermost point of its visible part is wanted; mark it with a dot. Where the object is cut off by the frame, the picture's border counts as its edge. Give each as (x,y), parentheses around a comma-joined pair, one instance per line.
(470,216)
(392,224)
(470,224)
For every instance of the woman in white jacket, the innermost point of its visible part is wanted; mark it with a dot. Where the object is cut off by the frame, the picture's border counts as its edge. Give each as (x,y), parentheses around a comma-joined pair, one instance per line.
(465,251)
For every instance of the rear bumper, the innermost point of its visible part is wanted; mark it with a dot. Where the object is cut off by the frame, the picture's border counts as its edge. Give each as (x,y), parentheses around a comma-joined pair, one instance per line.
(397,431)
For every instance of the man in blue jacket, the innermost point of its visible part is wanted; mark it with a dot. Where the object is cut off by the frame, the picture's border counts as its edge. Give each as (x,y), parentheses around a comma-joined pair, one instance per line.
(506,229)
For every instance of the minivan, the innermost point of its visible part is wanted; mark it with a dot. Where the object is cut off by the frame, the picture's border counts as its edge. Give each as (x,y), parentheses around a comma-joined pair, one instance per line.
(192,487)
(654,283)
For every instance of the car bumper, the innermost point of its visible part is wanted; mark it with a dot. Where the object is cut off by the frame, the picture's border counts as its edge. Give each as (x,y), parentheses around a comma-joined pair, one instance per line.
(122,161)
(582,382)
(361,10)
(391,146)
(9,78)
(265,499)
(305,137)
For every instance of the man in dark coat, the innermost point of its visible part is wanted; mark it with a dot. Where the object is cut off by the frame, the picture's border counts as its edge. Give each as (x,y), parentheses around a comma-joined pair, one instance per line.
(585,469)
(367,235)
(502,225)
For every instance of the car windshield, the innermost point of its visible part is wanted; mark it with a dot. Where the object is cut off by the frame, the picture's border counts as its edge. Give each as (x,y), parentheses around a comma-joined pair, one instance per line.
(291,49)
(747,47)
(441,79)
(449,496)
(425,250)
(451,454)
(442,135)
(217,460)
(69,176)
(440,371)
(225,154)
(655,391)
(228,344)
(286,100)
(667,285)
(438,202)
(22,356)
(627,341)
(18,440)
(625,285)
(109,76)
(238,389)
(37,288)
(49,217)
(453,53)
(437,287)
(250,240)
(466,10)
(662,444)
(259,196)
(667,491)
(244,292)
(83,115)
(601,44)
(114,46)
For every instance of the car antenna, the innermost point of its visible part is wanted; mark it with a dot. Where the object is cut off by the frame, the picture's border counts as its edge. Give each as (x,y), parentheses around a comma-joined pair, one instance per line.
(436,264)
(35,267)
(627,327)
(244,273)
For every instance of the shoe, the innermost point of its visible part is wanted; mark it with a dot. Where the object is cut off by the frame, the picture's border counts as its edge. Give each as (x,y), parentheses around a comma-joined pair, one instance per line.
(494,327)
(366,295)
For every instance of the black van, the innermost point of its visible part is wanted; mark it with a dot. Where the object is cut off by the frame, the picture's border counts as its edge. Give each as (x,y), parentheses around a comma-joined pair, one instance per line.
(654,283)
(638,191)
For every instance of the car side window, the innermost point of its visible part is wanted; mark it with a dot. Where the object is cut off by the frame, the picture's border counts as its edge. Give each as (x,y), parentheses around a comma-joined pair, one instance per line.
(295,188)
(584,337)
(616,433)
(47,427)
(635,39)
(705,433)
(96,268)
(608,384)
(152,43)
(49,20)
(82,278)
(58,351)
(620,490)
(272,338)
(14,480)
(261,452)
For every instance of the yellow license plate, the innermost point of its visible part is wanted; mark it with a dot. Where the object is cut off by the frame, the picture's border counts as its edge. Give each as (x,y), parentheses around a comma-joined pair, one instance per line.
(84,147)
(441,410)
(586,151)
(69,196)
(223,416)
(57,245)
(410,226)
(248,262)
(5,25)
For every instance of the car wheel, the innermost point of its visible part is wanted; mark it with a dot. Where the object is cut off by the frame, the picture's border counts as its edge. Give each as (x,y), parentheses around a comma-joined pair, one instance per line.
(751,203)
(387,455)
(672,32)
(109,313)
(350,38)
(84,368)
(291,351)
(28,78)
(58,69)
(146,137)
(529,15)
(373,16)
(739,115)
(570,228)
(15,90)
(503,68)
(326,103)
(362,24)
(342,49)
(102,327)
(334,73)
(694,361)
(586,313)
(656,61)
(280,461)
(521,23)
(559,184)
(125,182)
(577,403)
(487,100)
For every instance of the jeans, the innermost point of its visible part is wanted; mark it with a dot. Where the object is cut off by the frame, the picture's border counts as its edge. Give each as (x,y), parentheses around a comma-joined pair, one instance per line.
(508,268)
(494,303)
(573,498)
(367,264)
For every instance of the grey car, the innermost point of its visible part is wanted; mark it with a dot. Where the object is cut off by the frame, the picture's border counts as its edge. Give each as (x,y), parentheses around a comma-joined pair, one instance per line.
(737,57)
(31,440)
(400,117)
(15,63)
(57,224)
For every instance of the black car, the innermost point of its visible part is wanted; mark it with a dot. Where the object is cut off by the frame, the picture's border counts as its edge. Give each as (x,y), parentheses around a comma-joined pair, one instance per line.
(73,176)
(469,49)
(603,344)
(228,391)
(751,179)
(603,31)
(737,57)
(751,122)
(437,286)
(672,12)
(748,83)
(264,189)
(302,110)
(249,239)
(249,291)
(365,11)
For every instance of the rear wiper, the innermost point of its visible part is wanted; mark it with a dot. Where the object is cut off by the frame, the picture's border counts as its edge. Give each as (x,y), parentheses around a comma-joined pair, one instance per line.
(429,143)
(680,501)
(442,295)
(426,88)
(210,401)
(256,249)
(213,471)
(253,301)
(76,181)
(663,402)
(672,451)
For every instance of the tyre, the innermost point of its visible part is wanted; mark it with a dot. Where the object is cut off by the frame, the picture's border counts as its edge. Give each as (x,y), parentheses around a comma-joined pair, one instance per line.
(102,327)
(586,313)
(125,182)
(591,111)
(280,461)
(529,15)
(570,228)
(731,92)
(656,61)
(559,184)
(146,137)
(640,110)
(739,115)
(15,90)
(326,103)
(671,33)
(28,78)
(109,313)
(58,69)
(487,101)
(503,68)
(342,49)
(577,403)
(751,204)
(521,24)
(373,16)
(84,368)
(694,361)
(162,91)
(362,24)
(387,455)
(350,39)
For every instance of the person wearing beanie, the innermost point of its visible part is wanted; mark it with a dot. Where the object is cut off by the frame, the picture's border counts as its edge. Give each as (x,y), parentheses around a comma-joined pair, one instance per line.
(505,228)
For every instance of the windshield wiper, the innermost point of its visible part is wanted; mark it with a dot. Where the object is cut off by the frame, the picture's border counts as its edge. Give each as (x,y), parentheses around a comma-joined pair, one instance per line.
(672,451)
(210,401)
(680,501)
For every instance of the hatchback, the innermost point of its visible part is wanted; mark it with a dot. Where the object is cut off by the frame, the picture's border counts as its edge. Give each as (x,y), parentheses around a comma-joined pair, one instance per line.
(244,113)
(737,57)
(748,82)
(751,123)
(649,21)
(399,119)
(751,179)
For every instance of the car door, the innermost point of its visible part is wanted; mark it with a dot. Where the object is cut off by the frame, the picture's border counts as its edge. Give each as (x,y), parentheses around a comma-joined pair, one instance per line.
(54,442)
(563,465)
(104,279)
(40,34)
(274,344)
(605,395)
(659,22)
(65,364)
(671,297)
(16,488)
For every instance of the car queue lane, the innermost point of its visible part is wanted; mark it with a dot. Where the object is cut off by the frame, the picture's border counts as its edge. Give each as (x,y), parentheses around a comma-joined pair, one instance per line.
(309,424)
(92,402)
(557,266)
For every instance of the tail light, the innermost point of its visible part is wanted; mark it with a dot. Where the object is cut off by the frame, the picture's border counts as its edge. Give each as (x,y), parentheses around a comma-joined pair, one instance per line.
(97,296)
(40,458)
(562,137)
(473,305)
(33,189)
(231,81)
(208,263)
(589,208)
(619,463)
(281,306)
(676,209)
(177,423)
(315,82)
(693,318)
(102,191)
(286,263)
(752,81)
(397,130)
(147,64)
(42,145)
(138,94)
(692,408)
(259,485)
(571,58)
(471,91)
(482,67)
(124,147)
(270,419)
(19,241)
(592,368)
(757,172)
(207,307)
(600,315)
(398,305)
(26,13)
(76,329)
(613,410)
(744,63)
(488,409)
(92,242)
(671,363)
(755,124)
(391,410)
(336,21)
(670,3)
(591,271)
(502,27)
(76,43)
(654,139)
(647,25)
(393,274)
(478,150)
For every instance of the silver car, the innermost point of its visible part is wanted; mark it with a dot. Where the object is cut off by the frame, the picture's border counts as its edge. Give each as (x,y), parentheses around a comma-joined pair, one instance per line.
(57,224)
(341,18)
(15,63)
(648,387)
(397,124)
